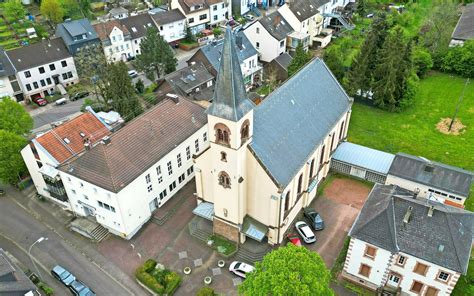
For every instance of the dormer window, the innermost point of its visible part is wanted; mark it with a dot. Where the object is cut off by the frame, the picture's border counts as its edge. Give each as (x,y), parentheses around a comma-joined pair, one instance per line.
(222,134)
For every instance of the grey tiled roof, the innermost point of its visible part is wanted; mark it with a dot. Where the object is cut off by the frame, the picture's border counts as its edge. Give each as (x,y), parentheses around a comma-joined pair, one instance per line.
(12,279)
(139,145)
(276,25)
(137,25)
(284,60)
(292,122)
(190,77)
(38,54)
(444,239)
(465,28)
(230,99)
(168,17)
(442,176)
(303,9)
(213,50)
(319,3)
(6,68)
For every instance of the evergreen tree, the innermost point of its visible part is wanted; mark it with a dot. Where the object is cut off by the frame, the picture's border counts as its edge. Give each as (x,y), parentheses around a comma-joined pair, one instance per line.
(300,59)
(335,61)
(157,57)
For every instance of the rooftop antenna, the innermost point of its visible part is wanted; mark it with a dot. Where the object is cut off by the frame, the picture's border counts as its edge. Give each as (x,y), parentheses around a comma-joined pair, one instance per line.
(458,105)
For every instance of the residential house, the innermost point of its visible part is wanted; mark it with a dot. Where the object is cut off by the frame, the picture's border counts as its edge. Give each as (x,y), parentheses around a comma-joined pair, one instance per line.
(77,34)
(118,13)
(401,245)
(13,281)
(137,26)
(432,180)
(9,86)
(464,29)
(210,56)
(269,35)
(278,67)
(49,150)
(42,67)
(195,11)
(171,24)
(123,180)
(194,82)
(116,40)
(219,11)
(241,7)
(265,162)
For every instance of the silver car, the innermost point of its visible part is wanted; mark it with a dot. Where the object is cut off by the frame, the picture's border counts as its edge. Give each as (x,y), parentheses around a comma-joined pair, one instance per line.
(305,232)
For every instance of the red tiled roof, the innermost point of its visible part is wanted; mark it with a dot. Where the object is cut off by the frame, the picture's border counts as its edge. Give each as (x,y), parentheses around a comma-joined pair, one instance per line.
(104,29)
(54,140)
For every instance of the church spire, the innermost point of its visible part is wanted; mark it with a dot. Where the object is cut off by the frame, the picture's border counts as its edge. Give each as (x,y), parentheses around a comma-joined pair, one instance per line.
(230,99)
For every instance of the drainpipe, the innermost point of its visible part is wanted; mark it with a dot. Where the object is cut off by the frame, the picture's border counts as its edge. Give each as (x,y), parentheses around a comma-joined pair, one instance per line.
(279,218)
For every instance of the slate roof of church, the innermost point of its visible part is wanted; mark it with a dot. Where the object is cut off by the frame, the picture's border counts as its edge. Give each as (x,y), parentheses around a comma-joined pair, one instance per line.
(291,123)
(444,239)
(465,27)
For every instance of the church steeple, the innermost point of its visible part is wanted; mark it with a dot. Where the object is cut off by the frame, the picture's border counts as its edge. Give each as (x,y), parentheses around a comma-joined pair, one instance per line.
(230,100)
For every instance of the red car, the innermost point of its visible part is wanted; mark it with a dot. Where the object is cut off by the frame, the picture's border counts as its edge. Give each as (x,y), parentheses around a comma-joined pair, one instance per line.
(294,239)
(39,101)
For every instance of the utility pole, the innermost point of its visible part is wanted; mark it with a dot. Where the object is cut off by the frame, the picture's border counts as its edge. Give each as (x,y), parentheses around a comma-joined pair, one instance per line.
(458,105)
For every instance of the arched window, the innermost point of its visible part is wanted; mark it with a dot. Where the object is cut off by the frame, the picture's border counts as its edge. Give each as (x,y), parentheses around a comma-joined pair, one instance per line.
(300,183)
(287,201)
(311,169)
(222,134)
(223,156)
(224,179)
(244,131)
(341,132)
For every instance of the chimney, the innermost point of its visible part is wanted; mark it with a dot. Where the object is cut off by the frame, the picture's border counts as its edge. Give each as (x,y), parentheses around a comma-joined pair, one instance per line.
(238,41)
(173,97)
(431,211)
(415,193)
(106,140)
(87,144)
(406,219)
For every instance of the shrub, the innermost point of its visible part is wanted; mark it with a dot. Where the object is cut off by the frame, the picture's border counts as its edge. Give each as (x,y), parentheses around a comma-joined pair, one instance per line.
(206,291)
(422,61)
(139,86)
(151,88)
(460,60)
(157,280)
(46,289)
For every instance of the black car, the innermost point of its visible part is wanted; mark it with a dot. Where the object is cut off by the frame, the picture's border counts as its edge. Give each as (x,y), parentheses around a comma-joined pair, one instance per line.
(314,218)
(79,95)
(78,288)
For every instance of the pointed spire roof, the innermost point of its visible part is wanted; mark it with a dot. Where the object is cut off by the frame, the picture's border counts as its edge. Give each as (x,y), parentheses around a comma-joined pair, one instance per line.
(230,100)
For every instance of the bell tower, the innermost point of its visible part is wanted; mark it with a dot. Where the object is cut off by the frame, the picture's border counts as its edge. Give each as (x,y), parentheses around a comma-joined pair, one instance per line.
(230,122)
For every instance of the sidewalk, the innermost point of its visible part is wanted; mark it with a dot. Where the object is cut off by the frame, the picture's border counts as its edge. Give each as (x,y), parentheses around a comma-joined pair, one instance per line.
(57,220)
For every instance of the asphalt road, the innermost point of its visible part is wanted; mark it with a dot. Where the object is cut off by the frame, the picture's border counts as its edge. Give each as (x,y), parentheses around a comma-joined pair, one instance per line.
(53,113)
(18,230)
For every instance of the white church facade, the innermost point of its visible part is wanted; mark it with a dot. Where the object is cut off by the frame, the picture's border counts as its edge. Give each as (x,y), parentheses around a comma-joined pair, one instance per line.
(264,162)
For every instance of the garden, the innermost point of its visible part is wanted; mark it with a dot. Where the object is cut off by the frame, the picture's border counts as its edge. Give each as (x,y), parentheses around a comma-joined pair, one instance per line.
(157,278)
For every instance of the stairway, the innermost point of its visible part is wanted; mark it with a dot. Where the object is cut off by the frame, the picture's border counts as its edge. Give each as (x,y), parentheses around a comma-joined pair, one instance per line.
(250,255)
(99,233)
(344,22)
(198,233)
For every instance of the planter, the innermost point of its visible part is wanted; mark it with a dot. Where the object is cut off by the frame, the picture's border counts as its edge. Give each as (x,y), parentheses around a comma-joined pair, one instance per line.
(207,280)
(221,263)
(187,270)
(188,46)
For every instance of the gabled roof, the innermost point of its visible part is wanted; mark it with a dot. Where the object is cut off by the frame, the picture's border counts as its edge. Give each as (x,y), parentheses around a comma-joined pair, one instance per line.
(104,29)
(276,25)
(187,4)
(230,99)
(189,78)
(290,124)
(6,68)
(37,54)
(168,17)
(138,145)
(284,60)
(137,25)
(303,9)
(435,174)
(66,141)
(319,3)
(118,10)
(465,27)
(213,50)
(12,279)
(444,239)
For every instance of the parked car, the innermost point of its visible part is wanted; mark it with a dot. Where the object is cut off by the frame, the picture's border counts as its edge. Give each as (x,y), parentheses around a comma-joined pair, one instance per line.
(305,232)
(61,101)
(315,220)
(39,101)
(132,73)
(78,288)
(79,95)
(294,239)
(249,17)
(240,268)
(63,275)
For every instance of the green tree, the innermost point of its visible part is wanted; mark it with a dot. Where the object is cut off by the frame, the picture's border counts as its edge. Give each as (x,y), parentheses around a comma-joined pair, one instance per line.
(300,59)
(157,57)
(52,10)
(85,6)
(14,9)
(11,162)
(286,270)
(139,86)
(71,9)
(422,61)
(14,118)
(334,59)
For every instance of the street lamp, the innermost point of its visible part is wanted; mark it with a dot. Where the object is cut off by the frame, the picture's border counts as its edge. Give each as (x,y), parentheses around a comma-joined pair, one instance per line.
(29,253)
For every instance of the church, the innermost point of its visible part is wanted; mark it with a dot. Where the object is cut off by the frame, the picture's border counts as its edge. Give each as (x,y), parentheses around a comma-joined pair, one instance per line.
(264,163)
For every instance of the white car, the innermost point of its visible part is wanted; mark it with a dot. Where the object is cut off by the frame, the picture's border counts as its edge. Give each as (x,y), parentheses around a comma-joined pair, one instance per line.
(241,269)
(132,73)
(305,232)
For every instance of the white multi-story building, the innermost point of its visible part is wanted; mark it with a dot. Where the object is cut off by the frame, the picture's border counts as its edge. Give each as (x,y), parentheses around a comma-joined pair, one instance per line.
(49,150)
(195,11)
(171,24)
(6,72)
(116,40)
(241,7)
(40,67)
(404,245)
(219,11)
(137,26)
(125,178)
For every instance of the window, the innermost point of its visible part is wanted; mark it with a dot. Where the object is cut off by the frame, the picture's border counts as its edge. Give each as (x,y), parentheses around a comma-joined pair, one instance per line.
(204,137)
(257,30)
(394,278)
(203,17)
(42,82)
(321,159)
(148,178)
(370,252)
(341,132)
(224,179)
(172,186)
(160,179)
(100,204)
(69,74)
(35,84)
(158,170)
(178,159)
(332,141)
(181,178)
(64,64)
(416,287)
(170,168)
(196,145)
(215,17)
(48,81)
(282,43)
(287,201)
(311,169)
(443,276)
(191,20)
(244,131)
(401,260)
(73,191)
(190,170)
(430,291)
(420,268)
(28,87)
(364,270)
(222,134)
(163,194)
(41,70)
(257,45)
(300,183)
(27,74)
(149,188)
(64,76)
(52,67)
(188,153)
(214,7)
(223,156)
(39,164)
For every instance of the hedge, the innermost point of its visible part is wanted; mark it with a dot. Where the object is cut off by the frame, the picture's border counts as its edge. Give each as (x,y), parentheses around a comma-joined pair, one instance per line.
(151,277)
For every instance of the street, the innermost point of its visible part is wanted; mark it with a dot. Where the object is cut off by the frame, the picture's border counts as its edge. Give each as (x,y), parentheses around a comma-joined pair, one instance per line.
(18,230)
